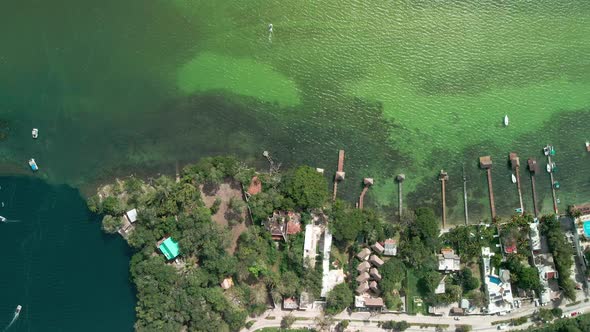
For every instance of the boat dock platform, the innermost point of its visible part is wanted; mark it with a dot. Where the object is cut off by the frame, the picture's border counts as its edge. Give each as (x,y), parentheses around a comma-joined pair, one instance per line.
(400,178)
(367,183)
(443,177)
(485,162)
(550,164)
(534,169)
(515,164)
(339,173)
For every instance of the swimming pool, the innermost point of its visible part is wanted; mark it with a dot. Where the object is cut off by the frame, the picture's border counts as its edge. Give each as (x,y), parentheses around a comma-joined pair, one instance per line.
(495,280)
(587,228)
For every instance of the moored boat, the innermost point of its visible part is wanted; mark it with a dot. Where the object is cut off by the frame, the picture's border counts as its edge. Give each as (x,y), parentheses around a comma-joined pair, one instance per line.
(556,185)
(588,146)
(513,178)
(546,150)
(35,132)
(506,121)
(18,309)
(2,219)
(33,165)
(548,168)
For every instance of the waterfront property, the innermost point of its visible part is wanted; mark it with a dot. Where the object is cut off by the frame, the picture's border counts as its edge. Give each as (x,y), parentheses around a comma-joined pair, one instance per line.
(448,261)
(330,278)
(390,247)
(282,224)
(168,247)
(498,288)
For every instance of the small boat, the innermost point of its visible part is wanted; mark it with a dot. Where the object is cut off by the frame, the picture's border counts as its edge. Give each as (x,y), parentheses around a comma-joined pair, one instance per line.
(513,178)
(519,210)
(506,120)
(553,167)
(546,150)
(588,146)
(33,165)
(270,27)
(18,309)
(2,219)
(552,150)
(35,132)
(548,168)
(556,185)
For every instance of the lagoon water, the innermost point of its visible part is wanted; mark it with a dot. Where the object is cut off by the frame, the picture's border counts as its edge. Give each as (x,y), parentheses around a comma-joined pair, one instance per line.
(58,265)
(120,87)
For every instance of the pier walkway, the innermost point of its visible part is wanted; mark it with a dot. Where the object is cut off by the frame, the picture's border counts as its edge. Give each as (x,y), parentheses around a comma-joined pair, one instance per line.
(339,173)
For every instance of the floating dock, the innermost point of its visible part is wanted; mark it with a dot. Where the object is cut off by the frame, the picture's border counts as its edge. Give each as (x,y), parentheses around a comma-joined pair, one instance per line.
(515,163)
(443,177)
(534,169)
(485,162)
(339,173)
(367,182)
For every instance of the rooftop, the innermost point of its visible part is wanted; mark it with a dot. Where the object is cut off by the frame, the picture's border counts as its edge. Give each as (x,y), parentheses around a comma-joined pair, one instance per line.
(131,215)
(448,260)
(390,247)
(169,248)
(364,254)
(485,162)
(255,186)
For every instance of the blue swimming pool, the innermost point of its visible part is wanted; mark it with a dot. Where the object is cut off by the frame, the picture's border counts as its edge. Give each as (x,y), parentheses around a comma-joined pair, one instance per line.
(587,228)
(495,280)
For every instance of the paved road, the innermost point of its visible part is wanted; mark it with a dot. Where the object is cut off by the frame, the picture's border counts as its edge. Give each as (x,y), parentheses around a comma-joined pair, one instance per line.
(367,322)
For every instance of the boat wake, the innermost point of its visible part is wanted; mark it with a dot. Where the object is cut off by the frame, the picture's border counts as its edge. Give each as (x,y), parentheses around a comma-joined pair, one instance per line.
(12,321)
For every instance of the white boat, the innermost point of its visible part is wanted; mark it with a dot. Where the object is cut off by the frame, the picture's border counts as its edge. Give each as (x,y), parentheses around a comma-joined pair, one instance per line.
(35,132)
(270,27)
(513,178)
(548,168)
(33,165)
(2,219)
(588,146)
(18,309)
(506,120)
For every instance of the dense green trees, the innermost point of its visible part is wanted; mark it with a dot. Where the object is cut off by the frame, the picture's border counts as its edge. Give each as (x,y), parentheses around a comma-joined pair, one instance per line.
(525,277)
(395,326)
(111,224)
(338,299)
(562,253)
(306,187)
(579,324)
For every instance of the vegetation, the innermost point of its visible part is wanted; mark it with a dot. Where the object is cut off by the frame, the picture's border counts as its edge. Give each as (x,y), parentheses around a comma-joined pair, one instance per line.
(562,254)
(307,188)
(580,323)
(288,321)
(338,299)
(524,276)
(394,326)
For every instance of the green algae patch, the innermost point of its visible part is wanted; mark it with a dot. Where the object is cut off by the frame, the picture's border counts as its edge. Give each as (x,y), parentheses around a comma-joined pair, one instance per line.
(242,76)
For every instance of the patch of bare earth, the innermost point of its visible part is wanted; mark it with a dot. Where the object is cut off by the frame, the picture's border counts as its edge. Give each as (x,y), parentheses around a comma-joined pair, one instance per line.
(225,192)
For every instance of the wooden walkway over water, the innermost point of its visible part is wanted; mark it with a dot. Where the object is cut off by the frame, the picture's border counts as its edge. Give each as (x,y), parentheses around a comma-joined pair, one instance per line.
(367,183)
(485,162)
(515,163)
(443,177)
(339,173)
(533,169)
(553,186)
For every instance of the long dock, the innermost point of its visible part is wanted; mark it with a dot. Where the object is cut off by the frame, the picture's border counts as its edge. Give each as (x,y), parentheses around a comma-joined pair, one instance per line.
(533,169)
(485,162)
(553,187)
(515,162)
(443,178)
(367,182)
(465,197)
(339,173)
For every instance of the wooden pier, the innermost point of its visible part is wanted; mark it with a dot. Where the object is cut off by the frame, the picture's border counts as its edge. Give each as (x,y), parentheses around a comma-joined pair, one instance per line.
(553,186)
(534,169)
(443,177)
(367,182)
(400,179)
(465,197)
(515,163)
(485,162)
(339,173)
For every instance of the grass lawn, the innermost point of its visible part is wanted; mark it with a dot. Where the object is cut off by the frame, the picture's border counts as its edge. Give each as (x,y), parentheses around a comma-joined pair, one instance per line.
(412,294)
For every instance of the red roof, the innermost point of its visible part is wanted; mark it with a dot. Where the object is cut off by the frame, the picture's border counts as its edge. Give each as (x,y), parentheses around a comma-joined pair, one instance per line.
(510,249)
(255,186)
(293,227)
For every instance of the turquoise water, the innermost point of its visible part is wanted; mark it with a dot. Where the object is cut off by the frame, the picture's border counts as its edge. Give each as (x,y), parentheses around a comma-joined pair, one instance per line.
(495,280)
(58,265)
(587,228)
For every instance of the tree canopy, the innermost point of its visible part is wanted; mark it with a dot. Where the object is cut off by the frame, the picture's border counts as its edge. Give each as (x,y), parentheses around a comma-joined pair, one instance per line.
(306,187)
(338,299)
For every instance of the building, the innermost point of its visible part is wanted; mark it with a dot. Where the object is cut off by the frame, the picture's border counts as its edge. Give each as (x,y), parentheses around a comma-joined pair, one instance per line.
(290,303)
(363,267)
(375,274)
(390,247)
(510,246)
(441,288)
(485,162)
(305,302)
(282,224)
(168,247)
(364,254)
(362,288)
(378,248)
(255,186)
(376,261)
(131,215)
(374,303)
(312,237)
(535,238)
(227,283)
(448,261)
(498,288)
(456,311)
(373,286)
(363,277)
(330,278)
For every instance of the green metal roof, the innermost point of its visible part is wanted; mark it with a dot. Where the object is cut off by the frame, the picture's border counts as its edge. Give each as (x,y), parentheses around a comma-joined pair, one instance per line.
(169,248)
